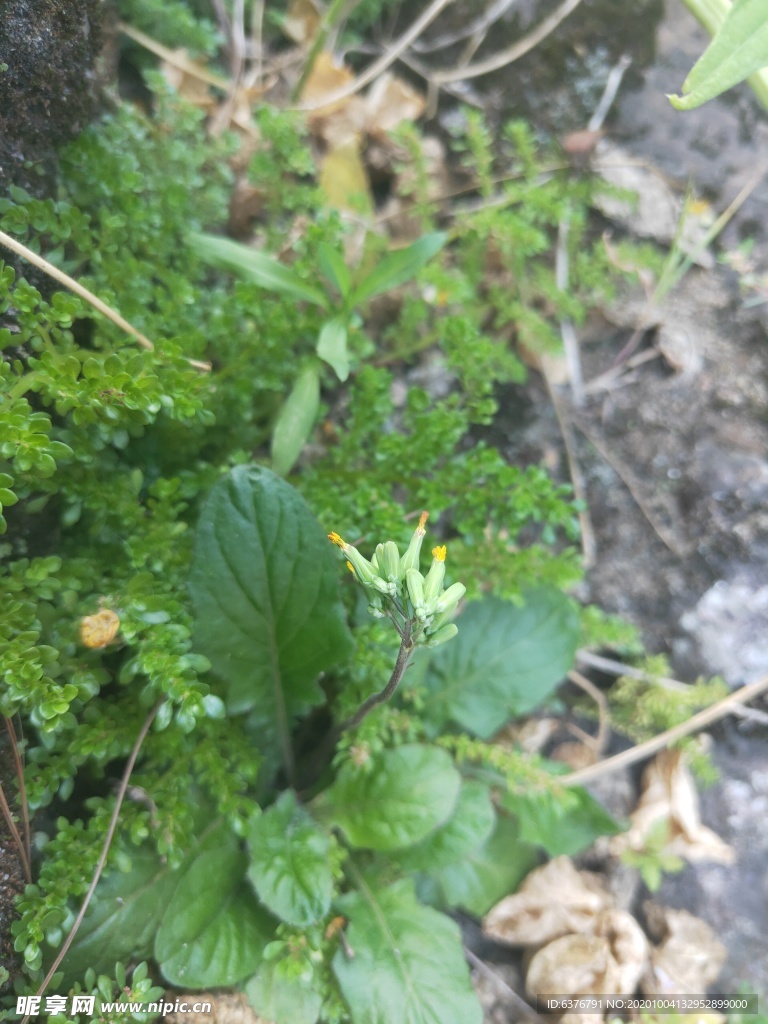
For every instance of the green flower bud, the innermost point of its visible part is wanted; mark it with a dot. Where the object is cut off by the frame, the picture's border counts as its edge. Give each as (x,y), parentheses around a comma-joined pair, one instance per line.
(450,598)
(388,560)
(410,559)
(444,633)
(433,585)
(415,583)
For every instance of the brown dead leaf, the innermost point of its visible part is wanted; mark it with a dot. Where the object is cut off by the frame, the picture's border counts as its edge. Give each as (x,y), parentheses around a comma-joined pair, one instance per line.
(669,794)
(688,960)
(575,964)
(302,21)
(226,1008)
(188,83)
(628,947)
(389,102)
(344,181)
(327,77)
(553,901)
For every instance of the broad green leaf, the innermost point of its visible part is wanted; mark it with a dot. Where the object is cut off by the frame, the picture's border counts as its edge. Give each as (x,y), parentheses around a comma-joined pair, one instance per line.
(264,270)
(398,267)
(124,916)
(408,965)
(470,825)
(739,48)
(295,421)
(290,868)
(505,661)
(400,797)
(265,590)
(282,996)
(213,931)
(334,268)
(563,824)
(490,872)
(332,347)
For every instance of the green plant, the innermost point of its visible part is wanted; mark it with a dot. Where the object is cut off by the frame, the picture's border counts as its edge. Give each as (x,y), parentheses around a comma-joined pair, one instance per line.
(350,842)
(232,621)
(298,414)
(739,50)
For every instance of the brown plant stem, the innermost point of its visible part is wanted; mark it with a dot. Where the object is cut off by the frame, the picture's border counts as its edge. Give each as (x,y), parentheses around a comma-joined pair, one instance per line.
(122,789)
(406,649)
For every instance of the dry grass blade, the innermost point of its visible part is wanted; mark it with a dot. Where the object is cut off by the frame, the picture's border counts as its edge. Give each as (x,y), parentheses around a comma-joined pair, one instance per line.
(512,53)
(643,750)
(74,286)
(122,789)
(24,842)
(388,58)
(598,742)
(525,1011)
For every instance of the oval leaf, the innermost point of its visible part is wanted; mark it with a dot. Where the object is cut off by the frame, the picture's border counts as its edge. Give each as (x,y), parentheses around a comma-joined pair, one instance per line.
(399,799)
(278,994)
(332,347)
(408,965)
(264,270)
(492,871)
(213,931)
(505,660)
(290,868)
(471,824)
(399,267)
(265,590)
(295,421)
(123,917)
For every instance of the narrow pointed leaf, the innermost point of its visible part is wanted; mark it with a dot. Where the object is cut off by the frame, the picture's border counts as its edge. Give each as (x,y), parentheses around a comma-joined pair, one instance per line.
(469,826)
(334,268)
(264,270)
(280,996)
(290,868)
(398,267)
(295,421)
(397,801)
(739,48)
(332,347)
(265,591)
(408,965)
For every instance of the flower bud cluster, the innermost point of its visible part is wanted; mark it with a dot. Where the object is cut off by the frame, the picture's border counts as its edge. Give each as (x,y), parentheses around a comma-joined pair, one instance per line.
(419,606)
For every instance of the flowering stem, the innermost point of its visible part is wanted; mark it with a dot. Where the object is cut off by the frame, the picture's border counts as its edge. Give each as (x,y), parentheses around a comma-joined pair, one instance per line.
(406,649)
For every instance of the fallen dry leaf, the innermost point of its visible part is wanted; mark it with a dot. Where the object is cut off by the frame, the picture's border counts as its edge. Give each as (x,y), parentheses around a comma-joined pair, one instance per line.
(688,960)
(628,947)
(302,21)
(389,102)
(344,181)
(579,965)
(226,1008)
(553,901)
(326,78)
(669,794)
(189,84)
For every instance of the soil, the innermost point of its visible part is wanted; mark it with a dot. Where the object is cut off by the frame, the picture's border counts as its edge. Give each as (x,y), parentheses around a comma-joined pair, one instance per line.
(675,457)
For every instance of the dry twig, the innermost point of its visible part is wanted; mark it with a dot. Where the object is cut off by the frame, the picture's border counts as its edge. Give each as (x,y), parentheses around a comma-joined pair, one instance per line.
(596,743)
(74,286)
(127,771)
(392,54)
(617,668)
(512,53)
(693,724)
(527,1012)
